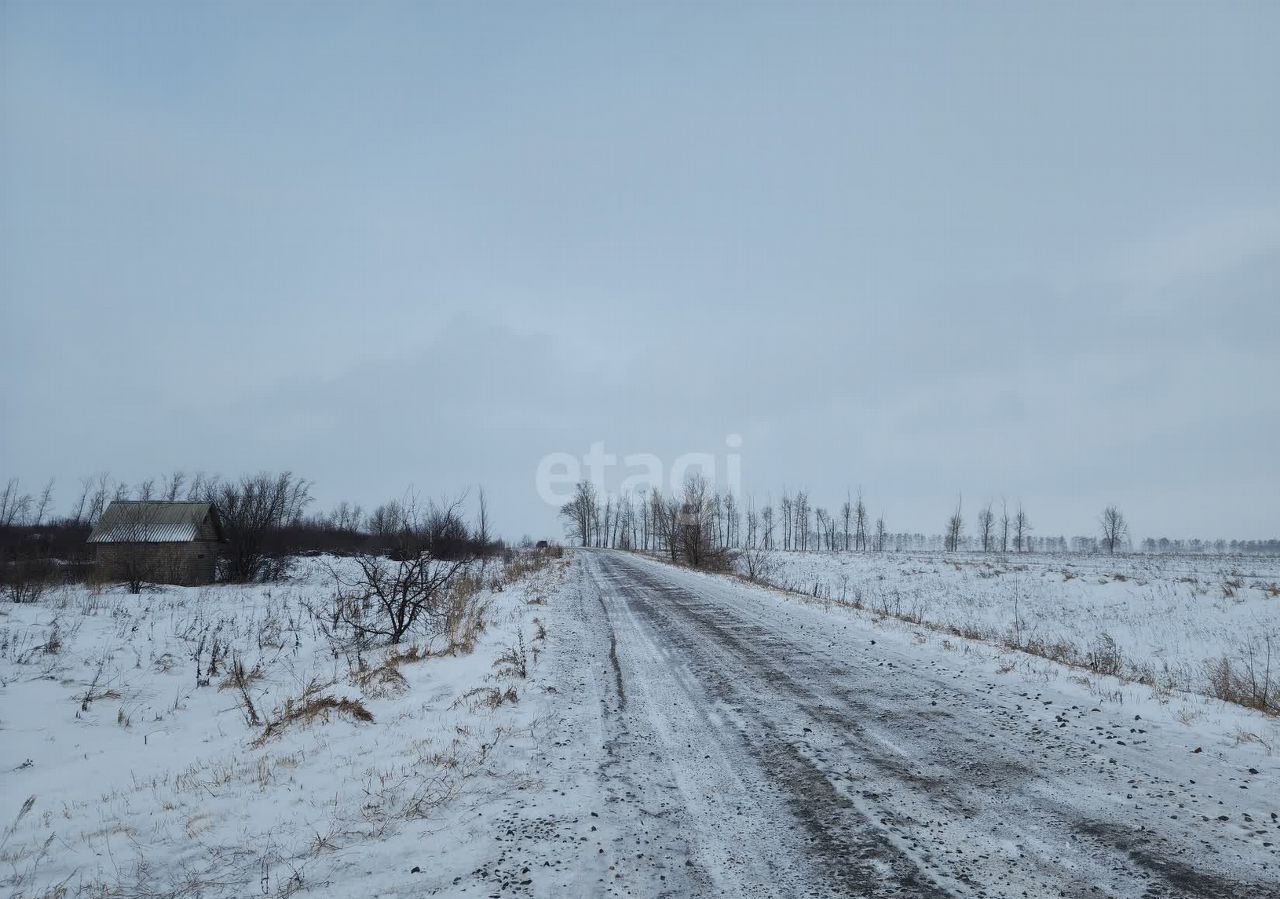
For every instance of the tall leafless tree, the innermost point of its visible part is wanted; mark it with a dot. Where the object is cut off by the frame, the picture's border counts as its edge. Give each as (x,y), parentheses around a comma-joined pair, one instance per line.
(171,485)
(801,527)
(986,527)
(860,524)
(785,509)
(43,504)
(1021,529)
(482,535)
(15,505)
(1004,525)
(846,513)
(1115,530)
(955,529)
(579,513)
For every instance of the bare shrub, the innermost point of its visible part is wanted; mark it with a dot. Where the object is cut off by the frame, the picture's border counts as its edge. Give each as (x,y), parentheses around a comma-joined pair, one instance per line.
(1105,656)
(26,577)
(757,564)
(389,599)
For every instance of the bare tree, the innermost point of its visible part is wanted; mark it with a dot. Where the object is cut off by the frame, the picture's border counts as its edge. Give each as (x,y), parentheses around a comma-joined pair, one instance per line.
(880,534)
(731,520)
(250,509)
(801,527)
(670,526)
(98,498)
(43,504)
(697,543)
(1021,529)
(482,522)
(986,526)
(860,524)
(15,506)
(1115,530)
(438,527)
(955,529)
(1004,526)
(579,513)
(171,485)
(785,508)
(82,500)
(820,520)
(846,513)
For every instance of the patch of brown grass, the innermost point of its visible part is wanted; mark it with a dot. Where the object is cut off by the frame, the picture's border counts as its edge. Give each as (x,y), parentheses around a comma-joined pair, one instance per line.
(486,697)
(311,707)
(383,681)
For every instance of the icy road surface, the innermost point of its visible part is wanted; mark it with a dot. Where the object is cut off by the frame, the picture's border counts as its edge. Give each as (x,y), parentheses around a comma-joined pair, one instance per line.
(722,740)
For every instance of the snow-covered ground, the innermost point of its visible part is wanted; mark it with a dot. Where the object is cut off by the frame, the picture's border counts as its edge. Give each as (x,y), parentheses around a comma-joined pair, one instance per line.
(146,777)
(677,734)
(1167,621)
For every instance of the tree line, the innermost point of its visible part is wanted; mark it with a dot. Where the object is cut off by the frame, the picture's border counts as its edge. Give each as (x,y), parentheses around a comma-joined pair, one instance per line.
(723,523)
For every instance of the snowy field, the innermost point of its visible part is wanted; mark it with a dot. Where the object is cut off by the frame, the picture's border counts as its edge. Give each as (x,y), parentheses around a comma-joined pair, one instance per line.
(1194,624)
(132,764)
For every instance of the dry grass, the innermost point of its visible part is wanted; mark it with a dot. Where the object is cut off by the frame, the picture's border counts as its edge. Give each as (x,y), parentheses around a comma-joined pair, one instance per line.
(381,682)
(1249,678)
(466,616)
(514,660)
(486,697)
(311,707)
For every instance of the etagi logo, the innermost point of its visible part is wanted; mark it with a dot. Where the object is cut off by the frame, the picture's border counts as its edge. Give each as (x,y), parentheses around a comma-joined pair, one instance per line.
(640,473)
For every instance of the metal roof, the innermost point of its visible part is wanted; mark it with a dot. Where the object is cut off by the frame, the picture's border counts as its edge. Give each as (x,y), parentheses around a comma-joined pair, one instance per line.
(127,521)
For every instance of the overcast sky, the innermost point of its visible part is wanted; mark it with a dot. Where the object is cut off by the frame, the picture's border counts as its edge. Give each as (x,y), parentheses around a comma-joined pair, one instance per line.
(1001,250)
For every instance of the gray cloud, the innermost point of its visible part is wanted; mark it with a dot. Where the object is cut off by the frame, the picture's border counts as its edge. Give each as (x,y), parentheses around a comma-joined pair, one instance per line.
(912,250)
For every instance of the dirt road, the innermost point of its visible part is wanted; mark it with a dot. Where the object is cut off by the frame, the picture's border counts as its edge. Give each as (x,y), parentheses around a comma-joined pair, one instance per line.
(722,740)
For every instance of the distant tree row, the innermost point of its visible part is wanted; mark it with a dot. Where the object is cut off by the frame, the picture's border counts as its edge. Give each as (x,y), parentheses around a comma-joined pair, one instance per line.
(796,523)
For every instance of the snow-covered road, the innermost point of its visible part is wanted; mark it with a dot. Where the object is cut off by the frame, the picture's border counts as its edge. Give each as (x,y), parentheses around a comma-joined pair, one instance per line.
(718,739)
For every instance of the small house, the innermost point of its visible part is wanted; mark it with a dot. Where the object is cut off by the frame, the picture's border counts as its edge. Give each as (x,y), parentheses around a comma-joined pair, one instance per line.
(158,542)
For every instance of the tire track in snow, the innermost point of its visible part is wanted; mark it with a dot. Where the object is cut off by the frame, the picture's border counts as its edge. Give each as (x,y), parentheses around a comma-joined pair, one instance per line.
(989,817)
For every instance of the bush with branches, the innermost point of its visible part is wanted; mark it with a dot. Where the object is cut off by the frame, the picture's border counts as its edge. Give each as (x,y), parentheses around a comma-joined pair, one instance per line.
(388,599)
